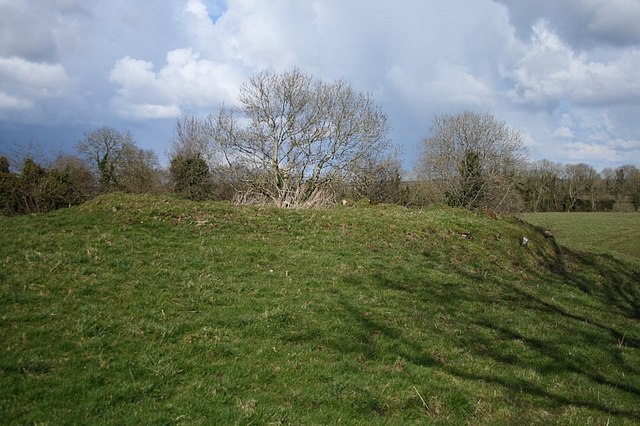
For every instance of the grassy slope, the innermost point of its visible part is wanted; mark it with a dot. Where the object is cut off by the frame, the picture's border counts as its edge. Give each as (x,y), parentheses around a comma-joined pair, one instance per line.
(618,233)
(143,309)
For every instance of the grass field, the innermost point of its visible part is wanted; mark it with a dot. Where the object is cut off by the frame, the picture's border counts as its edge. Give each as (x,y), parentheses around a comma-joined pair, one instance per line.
(149,310)
(617,233)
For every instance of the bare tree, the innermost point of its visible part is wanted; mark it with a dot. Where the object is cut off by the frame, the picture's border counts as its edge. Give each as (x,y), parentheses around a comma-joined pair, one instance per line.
(580,180)
(192,139)
(633,185)
(82,180)
(120,164)
(542,186)
(137,171)
(475,159)
(197,168)
(627,187)
(293,134)
(378,178)
(103,149)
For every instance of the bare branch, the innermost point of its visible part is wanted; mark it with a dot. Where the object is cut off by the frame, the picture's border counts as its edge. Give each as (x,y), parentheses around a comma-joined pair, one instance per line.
(297,134)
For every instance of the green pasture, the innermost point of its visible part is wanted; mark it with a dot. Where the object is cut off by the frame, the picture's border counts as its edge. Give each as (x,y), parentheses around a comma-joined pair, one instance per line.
(154,310)
(617,233)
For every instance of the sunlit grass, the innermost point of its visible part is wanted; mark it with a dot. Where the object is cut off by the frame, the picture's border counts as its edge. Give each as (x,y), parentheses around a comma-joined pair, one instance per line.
(145,309)
(618,233)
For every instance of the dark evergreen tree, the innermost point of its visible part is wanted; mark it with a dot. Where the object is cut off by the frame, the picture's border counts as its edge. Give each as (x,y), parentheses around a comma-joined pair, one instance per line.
(469,193)
(191,177)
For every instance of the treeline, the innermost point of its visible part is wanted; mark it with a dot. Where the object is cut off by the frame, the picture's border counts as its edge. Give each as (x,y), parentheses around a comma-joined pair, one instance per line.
(545,186)
(473,161)
(298,142)
(551,187)
(119,165)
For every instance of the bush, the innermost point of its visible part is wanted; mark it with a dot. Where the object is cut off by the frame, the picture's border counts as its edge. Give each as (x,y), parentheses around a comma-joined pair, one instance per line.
(191,177)
(605,205)
(84,183)
(34,190)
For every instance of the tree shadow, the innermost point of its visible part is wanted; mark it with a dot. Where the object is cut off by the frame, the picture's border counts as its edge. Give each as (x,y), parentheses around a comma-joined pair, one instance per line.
(559,361)
(616,294)
(619,281)
(538,303)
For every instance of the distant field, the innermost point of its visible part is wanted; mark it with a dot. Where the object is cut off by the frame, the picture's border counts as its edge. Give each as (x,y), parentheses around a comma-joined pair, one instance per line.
(595,232)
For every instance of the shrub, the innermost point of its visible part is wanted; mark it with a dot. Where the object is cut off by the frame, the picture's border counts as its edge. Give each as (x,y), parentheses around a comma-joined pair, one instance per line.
(191,177)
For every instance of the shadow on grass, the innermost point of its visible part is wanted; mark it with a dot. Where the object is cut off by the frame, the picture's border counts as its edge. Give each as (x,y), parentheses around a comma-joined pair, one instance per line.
(538,303)
(581,356)
(618,282)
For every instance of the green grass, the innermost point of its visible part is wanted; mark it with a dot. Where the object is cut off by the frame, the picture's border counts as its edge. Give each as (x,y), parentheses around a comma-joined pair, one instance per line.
(617,233)
(141,309)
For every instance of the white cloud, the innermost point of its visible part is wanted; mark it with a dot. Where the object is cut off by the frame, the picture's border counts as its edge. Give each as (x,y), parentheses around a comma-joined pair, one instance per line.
(625,144)
(23,84)
(261,35)
(563,132)
(197,22)
(458,85)
(588,135)
(449,83)
(39,78)
(601,154)
(145,111)
(591,153)
(550,71)
(197,8)
(185,81)
(133,73)
(528,140)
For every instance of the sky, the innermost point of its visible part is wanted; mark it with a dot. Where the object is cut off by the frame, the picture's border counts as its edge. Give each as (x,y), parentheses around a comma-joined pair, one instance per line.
(565,74)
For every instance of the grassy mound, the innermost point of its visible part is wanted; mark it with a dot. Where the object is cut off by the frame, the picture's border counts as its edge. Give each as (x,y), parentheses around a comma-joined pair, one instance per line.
(141,309)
